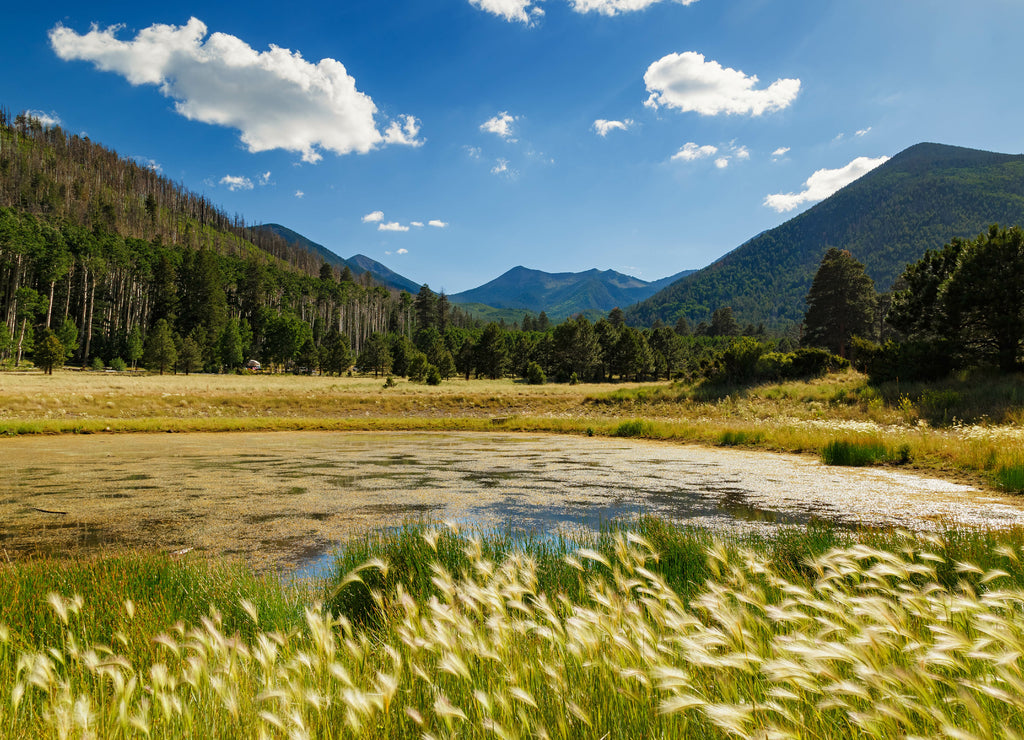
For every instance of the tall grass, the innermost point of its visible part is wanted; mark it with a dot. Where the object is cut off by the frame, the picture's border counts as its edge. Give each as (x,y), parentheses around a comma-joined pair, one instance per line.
(651,630)
(820,633)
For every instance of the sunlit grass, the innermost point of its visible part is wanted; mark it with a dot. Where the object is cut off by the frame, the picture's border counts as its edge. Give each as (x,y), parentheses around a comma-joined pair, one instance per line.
(791,417)
(650,632)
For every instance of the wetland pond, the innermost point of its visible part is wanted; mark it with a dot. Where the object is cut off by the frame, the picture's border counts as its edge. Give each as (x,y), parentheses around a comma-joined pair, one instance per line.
(286,500)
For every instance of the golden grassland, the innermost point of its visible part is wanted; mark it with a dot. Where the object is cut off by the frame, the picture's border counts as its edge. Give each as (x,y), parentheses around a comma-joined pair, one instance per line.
(916,424)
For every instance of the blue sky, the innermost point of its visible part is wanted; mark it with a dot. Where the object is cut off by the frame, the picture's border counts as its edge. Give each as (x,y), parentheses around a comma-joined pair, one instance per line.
(454,139)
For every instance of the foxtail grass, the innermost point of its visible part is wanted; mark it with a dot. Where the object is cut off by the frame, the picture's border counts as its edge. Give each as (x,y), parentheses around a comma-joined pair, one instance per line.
(824,635)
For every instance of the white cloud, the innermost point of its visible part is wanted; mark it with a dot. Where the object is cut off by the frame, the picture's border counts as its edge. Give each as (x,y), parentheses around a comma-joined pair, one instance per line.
(402,251)
(265,178)
(404,132)
(501,168)
(417,224)
(48,120)
(823,183)
(374,217)
(691,152)
(614,7)
(392,226)
(524,11)
(722,162)
(275,98)
(602,127)
(474,152)
(501,125)
(299,194)
(780,152)
(235,183)
(741,152)
(437,224)
(687,82)
(863,131)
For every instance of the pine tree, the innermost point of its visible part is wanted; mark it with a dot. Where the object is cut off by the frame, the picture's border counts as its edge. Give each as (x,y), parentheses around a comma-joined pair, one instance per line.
(160,353)
(840,303)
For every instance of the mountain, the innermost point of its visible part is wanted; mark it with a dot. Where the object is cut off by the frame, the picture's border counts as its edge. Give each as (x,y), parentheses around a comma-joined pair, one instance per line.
(358,264)
(918,200)
(563,294)
(382,274)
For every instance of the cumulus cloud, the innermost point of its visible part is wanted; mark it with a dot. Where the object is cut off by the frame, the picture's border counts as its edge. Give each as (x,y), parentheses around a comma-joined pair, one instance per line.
(500,125)
(437,224)
(722,162)
(235,183)
(524,11)
(275,98)
(474,152)
(780,152)
(614,7)
(691,152)
(265,178)
(404,131)
(689,83)
(417,224)
(392,226)
(402,251)
(299,194)
(823,183)
(602,127)
(48,120)
(370,218)
(741,152)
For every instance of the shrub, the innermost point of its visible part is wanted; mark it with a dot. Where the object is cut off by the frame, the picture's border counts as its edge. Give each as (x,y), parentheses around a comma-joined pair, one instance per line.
(535,374)
(907,361)
(740,358)
(118,364)
(433,375)
(774,365)
(813,362)
(98,364)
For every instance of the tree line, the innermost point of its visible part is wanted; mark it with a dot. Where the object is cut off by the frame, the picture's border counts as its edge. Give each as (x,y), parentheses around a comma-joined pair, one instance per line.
(958,307)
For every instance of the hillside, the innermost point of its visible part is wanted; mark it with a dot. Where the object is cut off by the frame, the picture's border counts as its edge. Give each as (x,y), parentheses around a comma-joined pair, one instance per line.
(359,264)
(109,255)
(561,295)
(918,200)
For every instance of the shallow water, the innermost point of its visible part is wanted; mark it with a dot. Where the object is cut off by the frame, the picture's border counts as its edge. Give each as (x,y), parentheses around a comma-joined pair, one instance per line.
(286,499)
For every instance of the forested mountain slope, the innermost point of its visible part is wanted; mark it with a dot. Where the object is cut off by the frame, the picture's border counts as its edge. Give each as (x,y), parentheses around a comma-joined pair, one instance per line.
(560,295)
(918,200)
(358,264)
(101,249)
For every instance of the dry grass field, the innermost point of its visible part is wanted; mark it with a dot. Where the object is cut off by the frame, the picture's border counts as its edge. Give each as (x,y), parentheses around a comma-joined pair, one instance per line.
(800,417)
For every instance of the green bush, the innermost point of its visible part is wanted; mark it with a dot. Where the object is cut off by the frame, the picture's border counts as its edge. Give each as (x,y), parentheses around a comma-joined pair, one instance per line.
(813,362)
(118,364)
(98,364)
(906,361)
(535,374)
(433,375)
(774,366)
